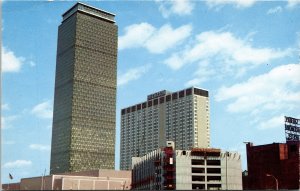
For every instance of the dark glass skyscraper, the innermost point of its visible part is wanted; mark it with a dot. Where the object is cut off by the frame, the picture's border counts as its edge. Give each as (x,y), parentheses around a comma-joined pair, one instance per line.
(83,134)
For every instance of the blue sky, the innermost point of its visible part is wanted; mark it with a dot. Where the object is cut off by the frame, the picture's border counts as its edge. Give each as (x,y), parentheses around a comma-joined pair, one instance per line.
(246,53)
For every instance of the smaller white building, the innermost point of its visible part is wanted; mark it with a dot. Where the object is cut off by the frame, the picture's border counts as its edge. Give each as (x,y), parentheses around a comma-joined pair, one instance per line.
(195,169)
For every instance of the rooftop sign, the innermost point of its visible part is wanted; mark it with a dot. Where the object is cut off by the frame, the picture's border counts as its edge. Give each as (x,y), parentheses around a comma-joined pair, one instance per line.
(292,129)
(157,94)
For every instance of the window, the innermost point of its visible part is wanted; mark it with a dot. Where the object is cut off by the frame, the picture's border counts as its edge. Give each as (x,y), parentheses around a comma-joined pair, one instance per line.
(213,170)
(213,162)
(144,105)
(197,162)
(181,94)
(198,186)
(168,98)
(155,101)
(161,99)
(198,178)
(198,170)
(174,96)
(150,103)
(133,108)
(213,178)
(188,91)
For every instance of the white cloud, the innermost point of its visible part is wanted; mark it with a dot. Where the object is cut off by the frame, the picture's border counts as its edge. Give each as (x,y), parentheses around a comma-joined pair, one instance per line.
(43,110)
(39,147)
(202,74)
(292,3)
(274,122)
(17,164)
(175,7)
(225,47)
(10,62)
(274,10)
(272,91)
(132,74)
(236,3)
(153,39)
(6,121)
(166,37)
(136,35)
(194,82)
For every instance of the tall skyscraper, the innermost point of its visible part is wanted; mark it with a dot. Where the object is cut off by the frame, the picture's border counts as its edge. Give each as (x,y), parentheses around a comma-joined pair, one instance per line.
(83,134)
(182,117)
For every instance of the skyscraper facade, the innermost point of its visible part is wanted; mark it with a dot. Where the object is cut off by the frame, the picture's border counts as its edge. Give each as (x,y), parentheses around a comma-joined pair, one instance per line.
(182,117)
(83,133)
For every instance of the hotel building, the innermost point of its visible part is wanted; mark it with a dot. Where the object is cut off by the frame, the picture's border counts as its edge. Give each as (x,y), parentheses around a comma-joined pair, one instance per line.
(182,117)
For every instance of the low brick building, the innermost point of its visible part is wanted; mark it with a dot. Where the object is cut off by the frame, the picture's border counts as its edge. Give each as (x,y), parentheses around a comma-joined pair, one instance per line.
(273,165)
(11,186)
(86,180)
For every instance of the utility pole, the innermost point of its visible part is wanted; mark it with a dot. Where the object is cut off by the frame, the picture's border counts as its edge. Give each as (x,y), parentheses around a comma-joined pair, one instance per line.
(42,181)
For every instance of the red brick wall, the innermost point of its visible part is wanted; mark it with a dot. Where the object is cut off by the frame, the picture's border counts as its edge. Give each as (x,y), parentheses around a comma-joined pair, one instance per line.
(12,186)
(279,159)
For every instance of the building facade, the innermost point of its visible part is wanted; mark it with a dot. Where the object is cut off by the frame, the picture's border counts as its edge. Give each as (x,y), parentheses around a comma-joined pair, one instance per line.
(83,133)
(198,168)
(182,117)
(273,166)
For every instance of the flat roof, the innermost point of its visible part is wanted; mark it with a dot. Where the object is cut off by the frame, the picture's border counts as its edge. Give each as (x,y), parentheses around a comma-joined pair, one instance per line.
(89,10)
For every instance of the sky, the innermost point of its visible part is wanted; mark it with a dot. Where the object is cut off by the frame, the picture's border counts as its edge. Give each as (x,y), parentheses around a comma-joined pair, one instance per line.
(245,53)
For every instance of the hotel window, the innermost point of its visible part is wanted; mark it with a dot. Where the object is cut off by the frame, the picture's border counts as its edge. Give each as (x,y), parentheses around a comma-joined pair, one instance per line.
(144,105)
(139,107)
(150,103)
(181,94)
(155,101)
(188,91)
(162,99)
(168,98)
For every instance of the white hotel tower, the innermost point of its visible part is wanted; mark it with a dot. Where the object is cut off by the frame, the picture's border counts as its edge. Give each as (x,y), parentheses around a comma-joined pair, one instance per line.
(182,117)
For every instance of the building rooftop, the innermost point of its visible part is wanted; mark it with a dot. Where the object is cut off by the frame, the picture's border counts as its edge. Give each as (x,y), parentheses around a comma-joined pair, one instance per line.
(169,96)
(87,9)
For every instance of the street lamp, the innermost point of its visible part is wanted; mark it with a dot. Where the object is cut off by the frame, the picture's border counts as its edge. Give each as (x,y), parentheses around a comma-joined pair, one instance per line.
(276,180)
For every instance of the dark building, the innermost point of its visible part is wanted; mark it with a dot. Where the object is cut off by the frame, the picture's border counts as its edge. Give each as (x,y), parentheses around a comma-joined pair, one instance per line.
(272,165)
(83,134)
